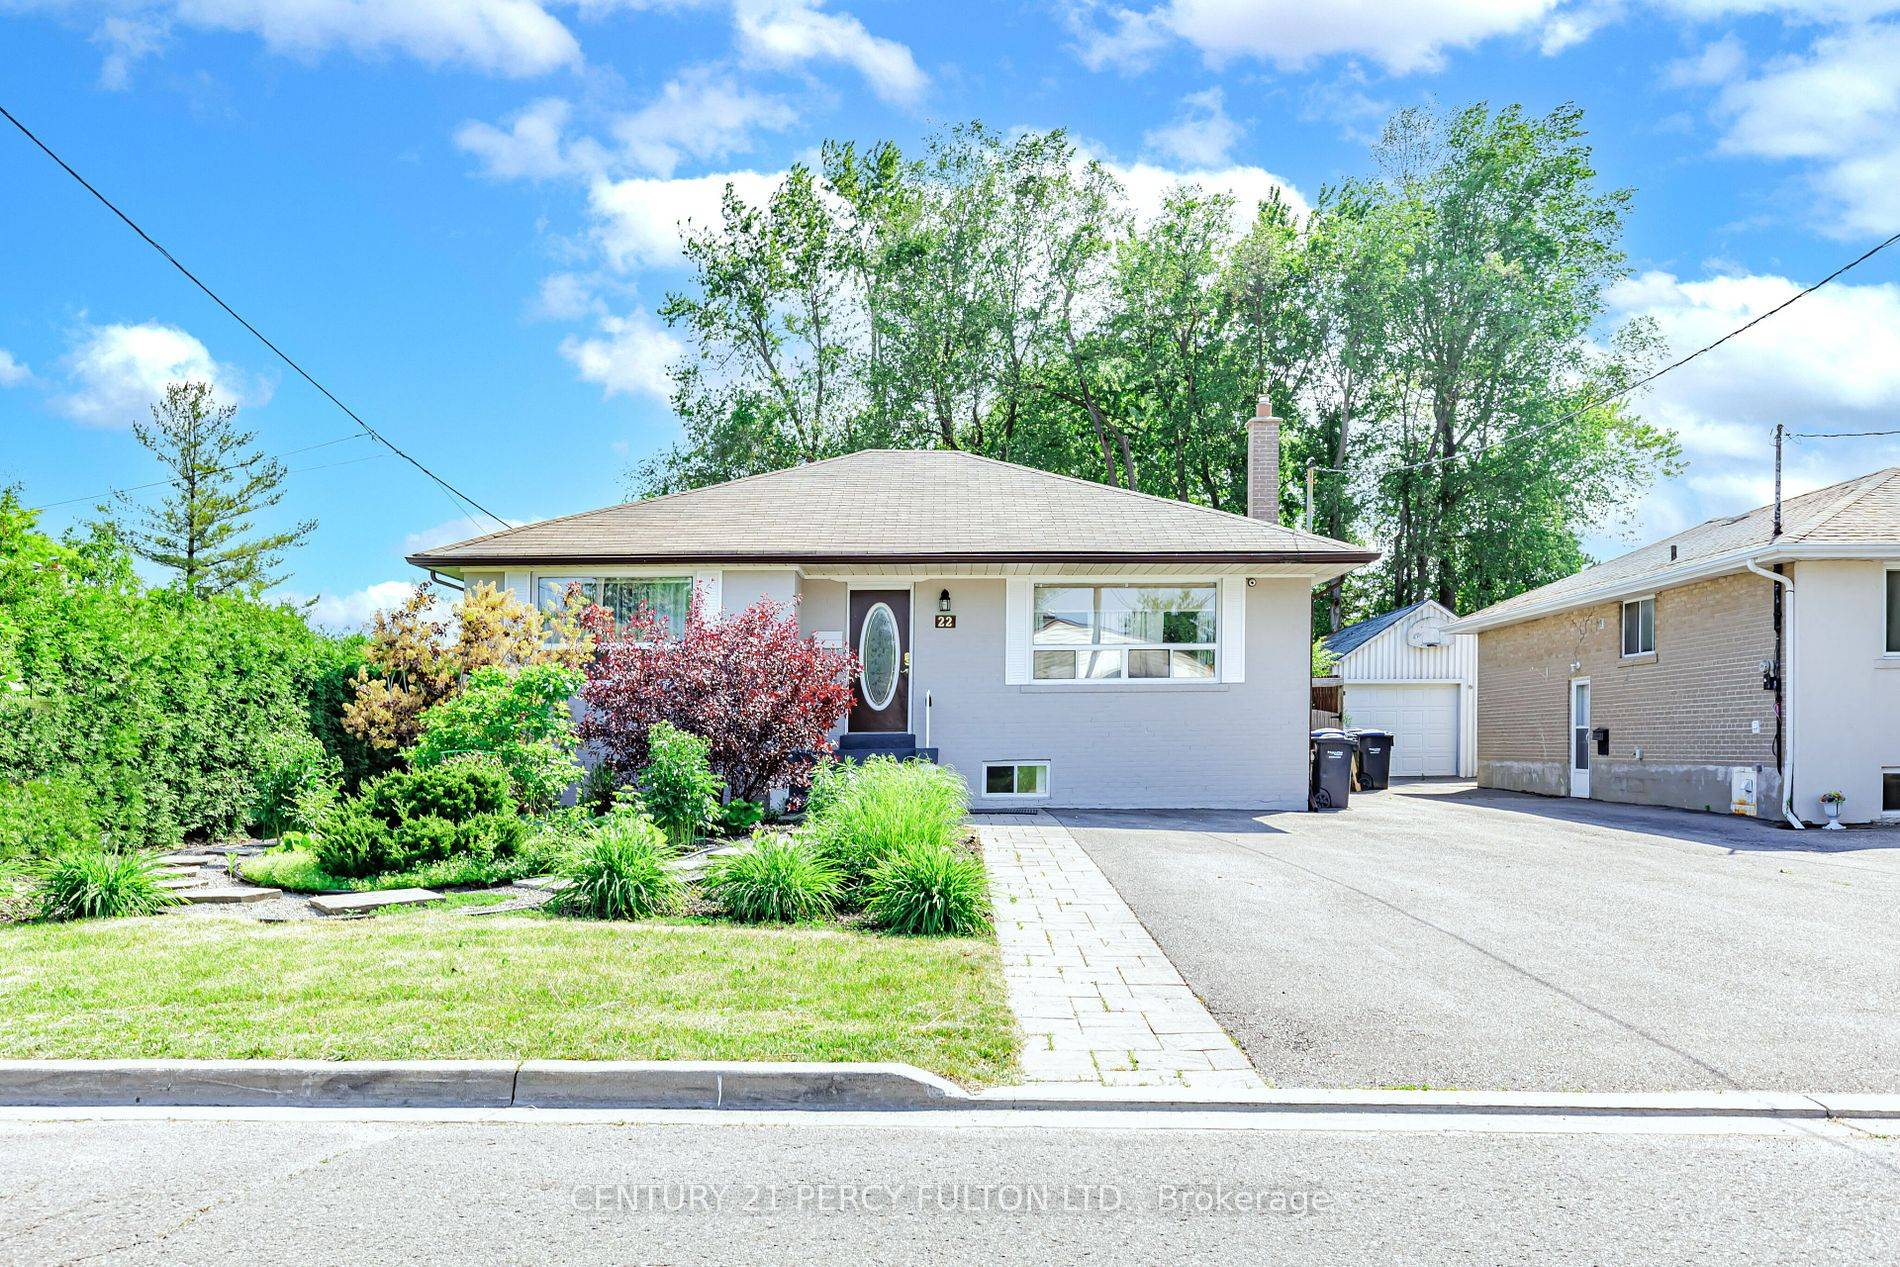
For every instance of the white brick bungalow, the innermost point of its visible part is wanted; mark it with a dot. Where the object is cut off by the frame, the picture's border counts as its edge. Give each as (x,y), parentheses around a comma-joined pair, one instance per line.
(1060,643)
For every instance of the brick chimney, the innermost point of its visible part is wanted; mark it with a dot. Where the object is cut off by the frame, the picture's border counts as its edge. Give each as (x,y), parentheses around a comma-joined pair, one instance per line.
(1263,463)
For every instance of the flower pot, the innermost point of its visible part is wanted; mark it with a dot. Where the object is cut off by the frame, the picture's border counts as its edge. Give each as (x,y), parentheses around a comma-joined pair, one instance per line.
(1833,811)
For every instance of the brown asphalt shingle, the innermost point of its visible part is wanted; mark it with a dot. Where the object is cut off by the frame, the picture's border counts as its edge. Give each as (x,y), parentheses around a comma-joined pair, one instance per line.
(894,505)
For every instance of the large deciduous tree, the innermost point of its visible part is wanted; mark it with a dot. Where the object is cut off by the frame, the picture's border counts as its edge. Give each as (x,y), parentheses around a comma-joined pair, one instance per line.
(1435,334)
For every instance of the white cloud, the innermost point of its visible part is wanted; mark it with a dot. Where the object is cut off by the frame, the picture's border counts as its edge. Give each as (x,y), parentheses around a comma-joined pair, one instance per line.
(790,33)
(349,613)
(701,114)
(127,41)
(565,297)
(1829,363)
(118,371)
(449,530)
(1201,134)
(1715,64)
(532,147)
(1413,36)
(504,37)
(1147,185)
(630,355)
(13,371)
(637,221)
(1835,107)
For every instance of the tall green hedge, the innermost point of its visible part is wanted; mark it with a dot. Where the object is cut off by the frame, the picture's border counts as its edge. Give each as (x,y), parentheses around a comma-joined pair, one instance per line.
(156,704)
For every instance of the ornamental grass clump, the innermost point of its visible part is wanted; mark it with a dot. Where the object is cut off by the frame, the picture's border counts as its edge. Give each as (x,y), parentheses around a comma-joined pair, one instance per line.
(100,884)
(775,880)
(620,872)
(884,805)
(929,891)
(678,784)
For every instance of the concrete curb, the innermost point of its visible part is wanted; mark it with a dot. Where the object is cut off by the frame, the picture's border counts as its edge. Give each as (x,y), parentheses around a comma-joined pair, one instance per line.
(584,1084)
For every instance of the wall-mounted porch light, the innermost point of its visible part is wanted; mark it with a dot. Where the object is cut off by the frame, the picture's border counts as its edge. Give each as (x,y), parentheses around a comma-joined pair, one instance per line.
(943,602)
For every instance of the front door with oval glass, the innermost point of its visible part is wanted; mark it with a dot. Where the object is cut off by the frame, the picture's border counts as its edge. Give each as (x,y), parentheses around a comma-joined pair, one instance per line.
(880,637)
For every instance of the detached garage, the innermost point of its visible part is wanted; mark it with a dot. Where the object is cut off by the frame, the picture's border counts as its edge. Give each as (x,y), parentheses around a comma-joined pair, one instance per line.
(1402,672)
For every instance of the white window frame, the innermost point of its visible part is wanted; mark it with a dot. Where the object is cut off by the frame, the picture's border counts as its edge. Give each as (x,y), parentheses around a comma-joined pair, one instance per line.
(1015,796)
(705,584)
(1622,627)
(1217,646)
(1889,578)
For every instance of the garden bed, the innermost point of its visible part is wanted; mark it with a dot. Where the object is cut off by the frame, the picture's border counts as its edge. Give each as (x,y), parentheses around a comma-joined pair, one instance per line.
(433,983)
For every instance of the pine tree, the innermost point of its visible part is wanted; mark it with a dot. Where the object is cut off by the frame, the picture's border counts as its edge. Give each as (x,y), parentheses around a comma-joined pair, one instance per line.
(202,529)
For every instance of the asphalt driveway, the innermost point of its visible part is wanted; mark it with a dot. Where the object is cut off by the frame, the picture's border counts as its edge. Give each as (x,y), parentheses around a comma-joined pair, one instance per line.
(1437,935)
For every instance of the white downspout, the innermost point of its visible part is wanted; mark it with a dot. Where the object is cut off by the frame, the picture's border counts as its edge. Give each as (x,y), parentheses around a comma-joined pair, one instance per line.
(1787,691)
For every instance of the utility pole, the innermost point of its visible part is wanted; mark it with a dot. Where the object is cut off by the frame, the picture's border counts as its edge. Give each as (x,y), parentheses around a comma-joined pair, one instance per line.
(1775,535)
(1310,464)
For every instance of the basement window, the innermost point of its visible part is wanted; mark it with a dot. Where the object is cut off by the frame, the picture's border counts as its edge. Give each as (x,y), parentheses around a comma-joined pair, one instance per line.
(1016,778)
(1639,627)
(1890,793)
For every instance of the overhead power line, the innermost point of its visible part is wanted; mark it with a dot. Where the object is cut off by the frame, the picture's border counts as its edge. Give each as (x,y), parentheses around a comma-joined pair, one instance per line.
(219,470)
(1651,377)
(281,355)
(1838,435)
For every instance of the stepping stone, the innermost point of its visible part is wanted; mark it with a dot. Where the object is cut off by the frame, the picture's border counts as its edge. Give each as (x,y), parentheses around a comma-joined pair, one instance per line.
(545,883)
(227,896)
(362,903)
(182,882)
(505,908)
(189,859)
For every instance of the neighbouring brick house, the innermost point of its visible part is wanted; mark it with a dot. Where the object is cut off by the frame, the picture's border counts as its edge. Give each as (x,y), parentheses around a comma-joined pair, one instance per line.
(1677,675)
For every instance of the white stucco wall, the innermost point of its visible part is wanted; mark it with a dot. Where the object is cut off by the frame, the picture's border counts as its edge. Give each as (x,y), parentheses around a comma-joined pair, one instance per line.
(1218,745)
(1846,690)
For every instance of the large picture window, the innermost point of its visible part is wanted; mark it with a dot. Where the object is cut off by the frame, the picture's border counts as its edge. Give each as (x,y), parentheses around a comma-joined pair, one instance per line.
(666,596)
(1124,633)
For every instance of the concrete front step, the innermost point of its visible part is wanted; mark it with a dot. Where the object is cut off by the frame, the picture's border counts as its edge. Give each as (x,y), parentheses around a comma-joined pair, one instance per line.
(361,903)
(218,896)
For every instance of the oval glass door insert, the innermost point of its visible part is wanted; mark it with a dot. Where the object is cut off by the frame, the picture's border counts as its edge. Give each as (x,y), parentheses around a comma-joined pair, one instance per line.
(879,656)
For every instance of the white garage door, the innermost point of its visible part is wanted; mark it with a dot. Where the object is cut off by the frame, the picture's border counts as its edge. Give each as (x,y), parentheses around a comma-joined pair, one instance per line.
(1424,717)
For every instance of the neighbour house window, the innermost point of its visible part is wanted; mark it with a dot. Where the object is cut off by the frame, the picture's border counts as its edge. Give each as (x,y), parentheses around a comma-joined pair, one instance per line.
(1639,626)
(1893,611)
(1110,633)
(666,596)
(1016,778)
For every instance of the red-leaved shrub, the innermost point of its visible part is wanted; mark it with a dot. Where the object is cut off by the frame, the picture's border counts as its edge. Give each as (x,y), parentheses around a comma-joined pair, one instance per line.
(748,683)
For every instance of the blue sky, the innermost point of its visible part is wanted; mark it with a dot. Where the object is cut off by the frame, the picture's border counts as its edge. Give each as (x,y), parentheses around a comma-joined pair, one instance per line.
(458,213)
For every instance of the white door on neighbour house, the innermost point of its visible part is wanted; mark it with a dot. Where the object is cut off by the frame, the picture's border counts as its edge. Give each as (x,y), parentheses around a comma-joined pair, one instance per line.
(1580,737)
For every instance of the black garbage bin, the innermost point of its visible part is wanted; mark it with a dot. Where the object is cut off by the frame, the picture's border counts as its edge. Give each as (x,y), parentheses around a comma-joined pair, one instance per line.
(1375,758)
(1332,752)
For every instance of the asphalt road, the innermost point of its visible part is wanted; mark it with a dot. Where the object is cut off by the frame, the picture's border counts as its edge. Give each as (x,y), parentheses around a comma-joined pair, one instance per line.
(354,1192)
(1440,936)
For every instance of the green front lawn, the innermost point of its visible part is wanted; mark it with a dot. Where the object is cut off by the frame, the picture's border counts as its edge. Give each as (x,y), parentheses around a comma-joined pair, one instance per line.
(436,984)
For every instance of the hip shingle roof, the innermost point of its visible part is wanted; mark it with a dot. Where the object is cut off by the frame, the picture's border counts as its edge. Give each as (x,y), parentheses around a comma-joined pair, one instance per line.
(890,505)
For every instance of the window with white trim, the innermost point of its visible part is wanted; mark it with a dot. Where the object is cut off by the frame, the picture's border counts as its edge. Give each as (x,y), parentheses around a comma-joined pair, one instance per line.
(1639,626)
(666,596)
(1016,778)
(1117,633)
(1893,611)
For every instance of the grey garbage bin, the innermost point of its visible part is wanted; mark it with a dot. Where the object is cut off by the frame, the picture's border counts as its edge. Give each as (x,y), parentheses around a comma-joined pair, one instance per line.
(1332,753)
(1375,758)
